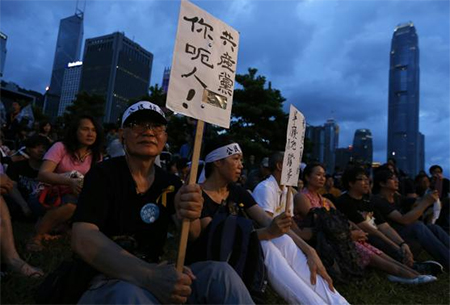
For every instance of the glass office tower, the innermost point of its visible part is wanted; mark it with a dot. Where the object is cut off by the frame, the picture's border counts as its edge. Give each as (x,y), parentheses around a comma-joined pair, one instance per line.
(116,68)
(331,143)
(68,49)
(362,146)
(403,120)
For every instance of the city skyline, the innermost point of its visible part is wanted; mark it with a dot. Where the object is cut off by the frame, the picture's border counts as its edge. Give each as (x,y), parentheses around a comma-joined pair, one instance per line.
(328,58)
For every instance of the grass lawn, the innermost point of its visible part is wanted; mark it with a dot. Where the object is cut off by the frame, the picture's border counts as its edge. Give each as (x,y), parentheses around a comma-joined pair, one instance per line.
(374,289)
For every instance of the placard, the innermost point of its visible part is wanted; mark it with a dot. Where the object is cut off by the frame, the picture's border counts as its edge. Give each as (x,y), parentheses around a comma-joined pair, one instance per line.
(294,147)
(204,64)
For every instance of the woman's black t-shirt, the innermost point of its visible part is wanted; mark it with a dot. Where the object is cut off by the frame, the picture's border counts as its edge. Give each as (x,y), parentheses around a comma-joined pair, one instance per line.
(237,196)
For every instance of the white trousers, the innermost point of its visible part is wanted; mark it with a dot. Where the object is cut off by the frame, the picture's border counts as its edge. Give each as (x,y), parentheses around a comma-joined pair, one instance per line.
(289,274)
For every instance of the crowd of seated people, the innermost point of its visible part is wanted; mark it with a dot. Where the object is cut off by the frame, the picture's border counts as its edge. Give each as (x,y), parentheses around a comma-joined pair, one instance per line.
(385,223)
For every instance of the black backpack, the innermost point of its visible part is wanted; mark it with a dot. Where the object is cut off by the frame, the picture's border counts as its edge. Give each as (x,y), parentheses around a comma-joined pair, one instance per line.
(335,246)
(233,239)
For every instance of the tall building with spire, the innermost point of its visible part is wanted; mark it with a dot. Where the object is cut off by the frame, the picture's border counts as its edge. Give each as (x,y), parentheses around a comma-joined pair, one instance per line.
(405,143)
(68,49)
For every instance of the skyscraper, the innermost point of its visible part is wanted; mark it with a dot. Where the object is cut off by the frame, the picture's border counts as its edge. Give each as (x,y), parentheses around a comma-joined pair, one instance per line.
(117,69)
(70,85)
(68,49)
(330,144)
(165,80)
(403,142)
(316,135)
(3,39)
(362,146)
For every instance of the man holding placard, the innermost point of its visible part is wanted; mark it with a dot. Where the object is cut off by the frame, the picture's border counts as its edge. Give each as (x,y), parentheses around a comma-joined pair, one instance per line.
(122,220)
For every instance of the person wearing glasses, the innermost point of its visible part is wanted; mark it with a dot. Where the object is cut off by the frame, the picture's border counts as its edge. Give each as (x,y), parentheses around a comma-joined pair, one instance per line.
(309,199)
(356,205)
(432,238)
(122,220)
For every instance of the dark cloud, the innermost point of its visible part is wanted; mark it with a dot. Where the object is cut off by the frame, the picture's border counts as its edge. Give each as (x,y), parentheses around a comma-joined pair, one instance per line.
(328,58)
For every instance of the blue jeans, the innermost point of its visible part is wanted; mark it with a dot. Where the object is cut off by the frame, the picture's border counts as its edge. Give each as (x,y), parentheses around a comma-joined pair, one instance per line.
(215,283)
(431,237)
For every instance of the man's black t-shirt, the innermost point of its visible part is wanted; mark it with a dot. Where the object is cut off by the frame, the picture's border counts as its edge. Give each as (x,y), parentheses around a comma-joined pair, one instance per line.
(25,176)
(109,200)
(357,209)
(386,208)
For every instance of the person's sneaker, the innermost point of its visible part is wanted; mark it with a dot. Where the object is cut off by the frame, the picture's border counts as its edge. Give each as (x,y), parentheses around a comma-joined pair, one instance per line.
(428,267)
(421,279)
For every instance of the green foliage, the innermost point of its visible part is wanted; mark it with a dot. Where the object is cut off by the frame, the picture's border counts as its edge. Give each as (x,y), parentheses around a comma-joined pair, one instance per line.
(157,96)
(258,122)
(85,103)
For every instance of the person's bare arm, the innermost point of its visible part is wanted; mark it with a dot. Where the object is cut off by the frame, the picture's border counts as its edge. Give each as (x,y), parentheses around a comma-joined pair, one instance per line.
(415,213)
(162,280)
(47,175)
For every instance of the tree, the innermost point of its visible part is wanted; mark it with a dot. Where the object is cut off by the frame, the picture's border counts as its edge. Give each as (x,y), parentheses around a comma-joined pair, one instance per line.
(85,103)
(258,122)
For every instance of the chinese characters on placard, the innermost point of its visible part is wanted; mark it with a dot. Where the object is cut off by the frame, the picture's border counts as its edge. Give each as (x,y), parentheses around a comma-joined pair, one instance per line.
(225,67)
(294,147)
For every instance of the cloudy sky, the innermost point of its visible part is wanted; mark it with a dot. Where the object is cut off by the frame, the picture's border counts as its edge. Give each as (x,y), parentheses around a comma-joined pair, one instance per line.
(329,58)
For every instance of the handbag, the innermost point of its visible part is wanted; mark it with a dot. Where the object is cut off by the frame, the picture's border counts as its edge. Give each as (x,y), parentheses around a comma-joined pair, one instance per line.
(50,196)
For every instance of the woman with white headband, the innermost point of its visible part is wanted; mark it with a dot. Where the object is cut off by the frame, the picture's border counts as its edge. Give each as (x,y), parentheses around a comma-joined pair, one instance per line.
(222,169)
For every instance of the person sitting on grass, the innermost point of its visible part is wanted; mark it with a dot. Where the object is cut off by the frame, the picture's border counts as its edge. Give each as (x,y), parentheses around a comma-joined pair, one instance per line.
(24,174)
(279,251)
(80,149)
(309,199)
(121,225)
(356,205)
(432,238)
(293,266)
(8,249)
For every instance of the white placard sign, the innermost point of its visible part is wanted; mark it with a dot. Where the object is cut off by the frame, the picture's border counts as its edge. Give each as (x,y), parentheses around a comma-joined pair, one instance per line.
(203,71)
(294,148)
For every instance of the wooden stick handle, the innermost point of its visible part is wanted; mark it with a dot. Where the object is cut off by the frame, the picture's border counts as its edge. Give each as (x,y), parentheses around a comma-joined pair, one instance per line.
(192,180)
(288,200)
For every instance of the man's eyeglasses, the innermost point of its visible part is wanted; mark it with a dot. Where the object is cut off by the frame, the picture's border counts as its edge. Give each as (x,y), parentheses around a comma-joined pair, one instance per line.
(140,127)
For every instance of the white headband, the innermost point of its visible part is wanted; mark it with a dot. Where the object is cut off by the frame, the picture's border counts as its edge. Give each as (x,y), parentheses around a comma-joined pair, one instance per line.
(223,152)
(218,154)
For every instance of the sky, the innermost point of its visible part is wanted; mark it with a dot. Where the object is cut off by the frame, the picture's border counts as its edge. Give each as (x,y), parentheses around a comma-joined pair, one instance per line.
(329,58)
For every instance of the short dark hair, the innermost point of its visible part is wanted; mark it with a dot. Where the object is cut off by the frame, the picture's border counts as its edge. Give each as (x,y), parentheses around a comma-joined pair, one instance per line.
(274,159)
(434,167)
(419,177)
(37,140)
(381,176)
(42,124)
(350,175)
